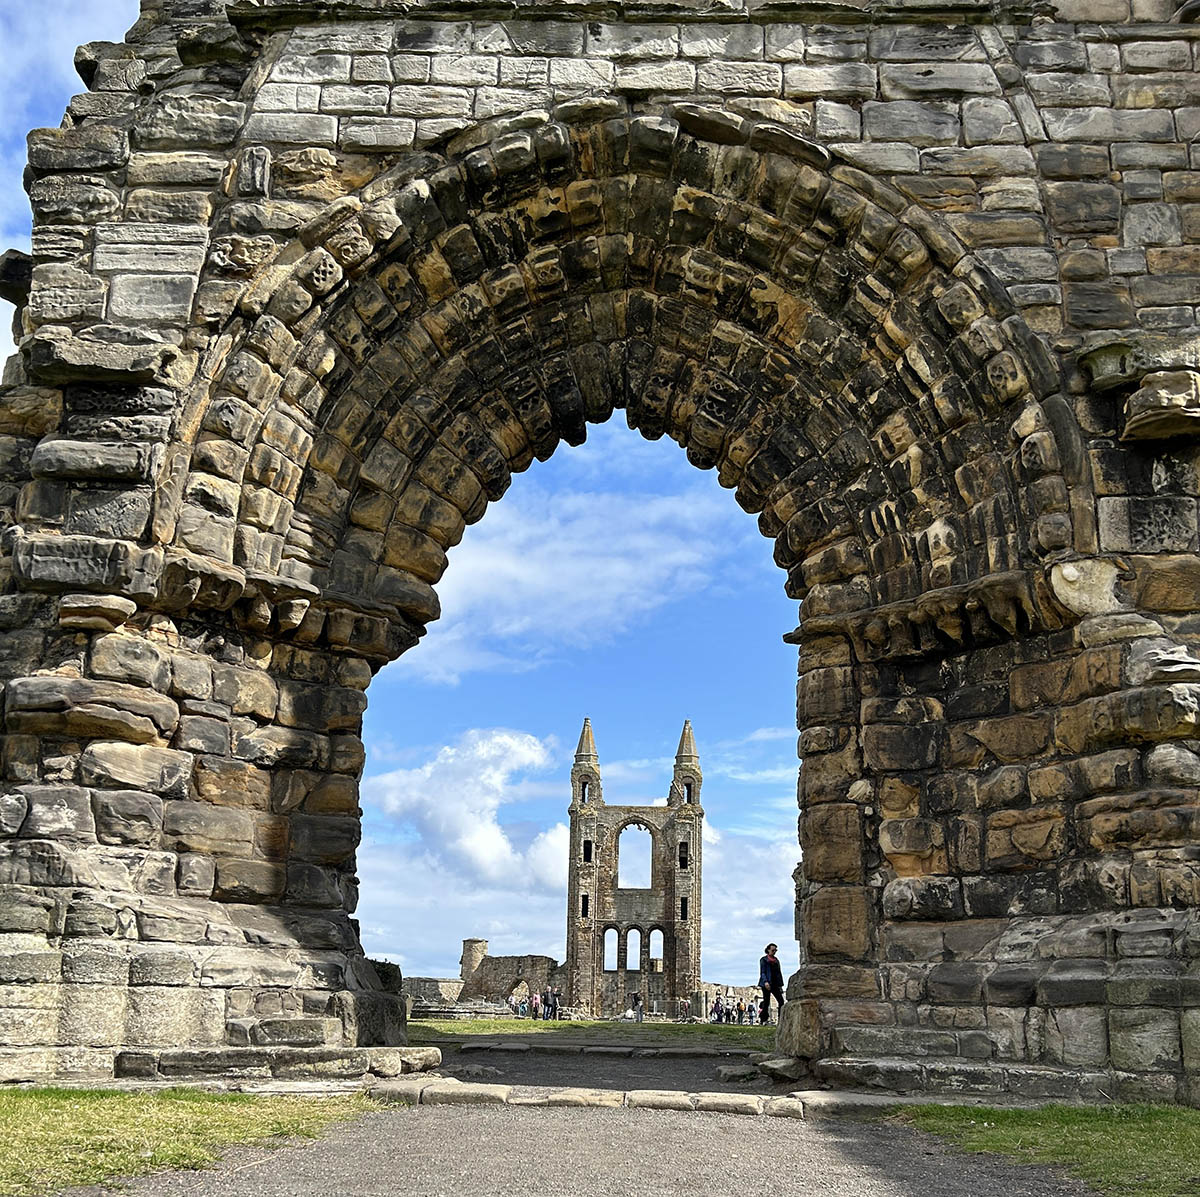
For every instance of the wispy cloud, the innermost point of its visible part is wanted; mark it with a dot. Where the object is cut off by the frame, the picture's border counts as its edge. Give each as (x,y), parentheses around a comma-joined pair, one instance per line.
(554,569)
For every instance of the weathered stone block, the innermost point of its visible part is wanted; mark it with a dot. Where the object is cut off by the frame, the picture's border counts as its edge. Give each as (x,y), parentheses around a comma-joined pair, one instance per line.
(127,817)
(831,836)
(161,771)
(1144,1039)
(202,827)
(838,921)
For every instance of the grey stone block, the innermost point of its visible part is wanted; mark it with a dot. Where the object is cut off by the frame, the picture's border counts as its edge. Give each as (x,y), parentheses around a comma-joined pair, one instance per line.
(293,128)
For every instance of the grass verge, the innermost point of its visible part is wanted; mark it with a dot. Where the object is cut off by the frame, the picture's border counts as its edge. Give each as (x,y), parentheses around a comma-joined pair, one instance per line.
(54,1138)
(646,1034)
(1133,1151)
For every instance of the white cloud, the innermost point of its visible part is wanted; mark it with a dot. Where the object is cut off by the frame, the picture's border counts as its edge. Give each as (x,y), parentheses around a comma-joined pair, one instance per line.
(452,801)
(550,570)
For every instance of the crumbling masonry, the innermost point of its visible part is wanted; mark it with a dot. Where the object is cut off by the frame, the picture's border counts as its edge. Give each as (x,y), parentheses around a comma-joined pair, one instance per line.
(311,281)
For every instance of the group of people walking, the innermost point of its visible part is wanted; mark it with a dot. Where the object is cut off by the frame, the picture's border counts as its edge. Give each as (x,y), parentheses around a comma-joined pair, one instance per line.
(544,1005)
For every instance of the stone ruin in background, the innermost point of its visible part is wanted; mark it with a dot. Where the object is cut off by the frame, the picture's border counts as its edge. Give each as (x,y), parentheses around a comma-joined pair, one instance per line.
(309,284)
(599,907)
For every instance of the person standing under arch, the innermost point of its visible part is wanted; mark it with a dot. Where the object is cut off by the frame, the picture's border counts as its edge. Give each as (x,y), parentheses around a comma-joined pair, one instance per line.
(770,981)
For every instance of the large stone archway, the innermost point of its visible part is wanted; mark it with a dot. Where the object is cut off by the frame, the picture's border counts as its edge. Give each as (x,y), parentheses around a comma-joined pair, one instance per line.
(308,288)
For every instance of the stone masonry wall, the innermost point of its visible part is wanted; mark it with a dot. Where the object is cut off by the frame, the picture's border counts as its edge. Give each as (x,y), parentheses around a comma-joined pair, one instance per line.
(308,287)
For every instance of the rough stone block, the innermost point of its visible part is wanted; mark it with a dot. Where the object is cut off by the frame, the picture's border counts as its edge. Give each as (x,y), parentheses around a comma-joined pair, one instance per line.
(123,766)
(1144,1040)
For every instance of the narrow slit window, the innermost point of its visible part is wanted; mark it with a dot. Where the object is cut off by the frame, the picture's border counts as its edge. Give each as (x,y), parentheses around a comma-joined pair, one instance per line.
(587,851)
(583,791)
(583,907)
(683,908)
(683,855)
(687,791)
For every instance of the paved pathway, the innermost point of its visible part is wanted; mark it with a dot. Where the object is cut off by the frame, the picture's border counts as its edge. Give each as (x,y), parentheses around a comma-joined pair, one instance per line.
(456,1151)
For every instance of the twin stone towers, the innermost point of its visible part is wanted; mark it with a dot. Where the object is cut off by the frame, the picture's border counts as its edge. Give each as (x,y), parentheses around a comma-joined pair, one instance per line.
(598,907)
(309,283)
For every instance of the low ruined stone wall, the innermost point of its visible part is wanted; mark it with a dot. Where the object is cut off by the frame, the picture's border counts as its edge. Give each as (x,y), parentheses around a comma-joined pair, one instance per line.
(435,990)
(497,976)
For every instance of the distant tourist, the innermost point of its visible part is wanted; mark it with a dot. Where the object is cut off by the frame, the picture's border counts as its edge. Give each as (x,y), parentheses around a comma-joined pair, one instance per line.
(535,1006)
(741,1011)
(639,1008)
(770,981)
(751,1013)
(556,1003)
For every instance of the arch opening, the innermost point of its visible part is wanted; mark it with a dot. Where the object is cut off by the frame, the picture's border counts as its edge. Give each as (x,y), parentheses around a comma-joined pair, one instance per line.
(633,950)
(635,857)
(611,950)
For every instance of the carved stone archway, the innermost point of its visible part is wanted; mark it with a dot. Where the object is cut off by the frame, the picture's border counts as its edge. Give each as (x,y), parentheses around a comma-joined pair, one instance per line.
(274,363)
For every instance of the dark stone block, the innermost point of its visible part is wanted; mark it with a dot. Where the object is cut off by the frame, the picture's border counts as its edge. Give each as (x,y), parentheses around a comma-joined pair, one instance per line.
(1011,985)
(955,981)
(1074,983)
(136,1066)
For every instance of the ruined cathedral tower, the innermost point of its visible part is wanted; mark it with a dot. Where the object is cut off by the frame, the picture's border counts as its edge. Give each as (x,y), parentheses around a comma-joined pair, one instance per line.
(656,929)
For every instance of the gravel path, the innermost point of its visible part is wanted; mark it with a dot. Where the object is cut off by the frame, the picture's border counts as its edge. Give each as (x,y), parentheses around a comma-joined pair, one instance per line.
(444,1151)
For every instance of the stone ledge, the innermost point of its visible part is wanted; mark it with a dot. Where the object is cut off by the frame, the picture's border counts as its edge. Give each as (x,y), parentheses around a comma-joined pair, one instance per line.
(276,14)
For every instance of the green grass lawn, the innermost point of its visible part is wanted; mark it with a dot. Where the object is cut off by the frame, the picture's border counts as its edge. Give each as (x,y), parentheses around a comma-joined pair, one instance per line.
(646,1034)
(1130,1151)
(54,1138)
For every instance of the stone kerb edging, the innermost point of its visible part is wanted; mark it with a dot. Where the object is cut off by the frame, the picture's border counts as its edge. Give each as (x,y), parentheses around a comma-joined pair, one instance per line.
(521,1046)
(430,1090)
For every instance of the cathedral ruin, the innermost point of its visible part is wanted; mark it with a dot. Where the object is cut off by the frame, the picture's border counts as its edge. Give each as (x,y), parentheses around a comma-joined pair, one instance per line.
(612,930)
(599,908)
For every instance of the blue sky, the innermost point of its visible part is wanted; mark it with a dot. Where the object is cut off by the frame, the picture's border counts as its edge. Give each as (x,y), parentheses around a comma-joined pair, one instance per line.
(613,581)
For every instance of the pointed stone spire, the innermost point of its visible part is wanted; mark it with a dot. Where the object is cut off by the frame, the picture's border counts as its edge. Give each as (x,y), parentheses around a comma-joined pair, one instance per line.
(687,745)
(587,745)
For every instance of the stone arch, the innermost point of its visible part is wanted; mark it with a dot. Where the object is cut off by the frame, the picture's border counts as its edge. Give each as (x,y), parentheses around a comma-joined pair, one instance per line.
(576,315)
(633,957)
(653,834)
(618,948)
(982,760)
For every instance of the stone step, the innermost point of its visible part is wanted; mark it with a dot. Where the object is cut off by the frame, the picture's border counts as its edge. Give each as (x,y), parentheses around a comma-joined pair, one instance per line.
(242,1063)
(921,1043)
(1010,1080)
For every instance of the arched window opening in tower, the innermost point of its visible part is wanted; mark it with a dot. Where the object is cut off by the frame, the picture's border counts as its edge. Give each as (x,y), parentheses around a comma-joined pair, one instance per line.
(610,950)
(656,950)
(635,850)
(633,951)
